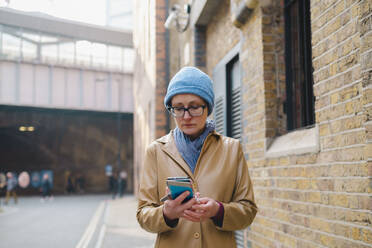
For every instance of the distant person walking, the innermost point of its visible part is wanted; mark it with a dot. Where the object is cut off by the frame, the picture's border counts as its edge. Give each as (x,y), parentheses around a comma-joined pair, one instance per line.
(11,186)
(2,186)
(69,185)
(113,184)
(46,188)
(122,182)
(80,184)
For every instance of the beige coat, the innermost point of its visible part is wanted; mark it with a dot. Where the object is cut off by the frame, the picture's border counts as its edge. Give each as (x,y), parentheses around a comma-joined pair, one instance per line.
(221,173)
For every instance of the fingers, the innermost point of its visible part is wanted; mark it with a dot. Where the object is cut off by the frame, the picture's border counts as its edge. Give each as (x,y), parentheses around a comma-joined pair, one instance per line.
(206,209)
(203,204)
(194,214)
(182,197)
(174,208)
(191,216)
(204,200)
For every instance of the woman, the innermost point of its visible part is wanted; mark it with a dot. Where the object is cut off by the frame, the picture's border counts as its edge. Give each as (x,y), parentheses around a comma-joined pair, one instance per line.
(215,164)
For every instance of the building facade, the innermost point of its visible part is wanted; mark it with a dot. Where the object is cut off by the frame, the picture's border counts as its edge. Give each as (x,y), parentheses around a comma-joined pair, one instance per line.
(293,82)
(66,103)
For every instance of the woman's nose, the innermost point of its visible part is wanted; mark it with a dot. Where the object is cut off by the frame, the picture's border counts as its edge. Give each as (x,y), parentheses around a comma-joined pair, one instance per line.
(187,115)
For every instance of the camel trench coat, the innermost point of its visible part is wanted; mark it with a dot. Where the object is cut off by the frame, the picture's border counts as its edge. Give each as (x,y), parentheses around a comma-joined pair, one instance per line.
(221,173)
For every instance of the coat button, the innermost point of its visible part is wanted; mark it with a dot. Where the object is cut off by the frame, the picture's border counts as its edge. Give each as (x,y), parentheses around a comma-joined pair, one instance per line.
(196,235)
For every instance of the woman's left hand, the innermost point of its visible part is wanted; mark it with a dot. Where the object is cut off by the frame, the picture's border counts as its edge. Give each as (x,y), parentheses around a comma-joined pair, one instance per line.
(204,209)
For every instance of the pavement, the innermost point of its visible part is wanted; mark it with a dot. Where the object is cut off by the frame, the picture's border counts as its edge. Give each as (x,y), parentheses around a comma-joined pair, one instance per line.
(120,228)
(78,221)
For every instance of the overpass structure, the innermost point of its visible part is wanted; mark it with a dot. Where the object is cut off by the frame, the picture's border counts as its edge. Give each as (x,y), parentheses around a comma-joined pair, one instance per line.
(55,63)
(66,101)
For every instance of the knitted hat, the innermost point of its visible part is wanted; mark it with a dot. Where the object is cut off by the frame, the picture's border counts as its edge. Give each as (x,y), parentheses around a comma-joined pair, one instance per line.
(191,80)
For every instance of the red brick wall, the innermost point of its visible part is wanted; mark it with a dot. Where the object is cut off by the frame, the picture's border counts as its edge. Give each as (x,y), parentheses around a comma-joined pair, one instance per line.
(151,76)
(162,69)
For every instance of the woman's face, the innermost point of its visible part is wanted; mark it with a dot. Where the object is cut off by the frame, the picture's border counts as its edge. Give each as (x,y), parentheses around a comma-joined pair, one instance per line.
(192,126)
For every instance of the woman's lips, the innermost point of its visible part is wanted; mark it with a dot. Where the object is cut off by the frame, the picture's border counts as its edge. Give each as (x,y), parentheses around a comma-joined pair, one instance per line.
(188,125)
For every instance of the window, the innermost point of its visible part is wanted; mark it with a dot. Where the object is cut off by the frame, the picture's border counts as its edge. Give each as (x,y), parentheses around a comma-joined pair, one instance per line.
(299,105)
(233,118)
(227,88)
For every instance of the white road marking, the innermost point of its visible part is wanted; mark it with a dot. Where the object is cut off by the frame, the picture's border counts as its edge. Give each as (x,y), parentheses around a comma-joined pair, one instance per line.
(102,232)
(88,234)
(101,236)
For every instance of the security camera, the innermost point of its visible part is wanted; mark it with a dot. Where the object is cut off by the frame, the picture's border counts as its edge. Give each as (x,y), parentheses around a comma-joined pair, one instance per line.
(178,18)
(171,18)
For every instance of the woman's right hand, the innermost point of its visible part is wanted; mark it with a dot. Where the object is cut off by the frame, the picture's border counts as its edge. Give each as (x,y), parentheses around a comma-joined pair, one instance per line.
(174,209)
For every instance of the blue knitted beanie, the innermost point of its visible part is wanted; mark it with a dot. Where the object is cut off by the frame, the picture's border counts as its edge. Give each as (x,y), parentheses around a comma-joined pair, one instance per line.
(191,80)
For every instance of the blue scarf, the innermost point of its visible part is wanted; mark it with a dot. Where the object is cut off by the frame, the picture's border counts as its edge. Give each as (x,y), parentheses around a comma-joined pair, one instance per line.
(190,149)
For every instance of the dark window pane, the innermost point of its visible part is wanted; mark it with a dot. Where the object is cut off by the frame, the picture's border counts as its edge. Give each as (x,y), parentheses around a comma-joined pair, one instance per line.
(299,80)
(233,98)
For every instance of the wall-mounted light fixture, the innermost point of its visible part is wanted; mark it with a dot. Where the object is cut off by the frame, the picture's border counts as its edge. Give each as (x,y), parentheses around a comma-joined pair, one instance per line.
(178,17)
(26,128)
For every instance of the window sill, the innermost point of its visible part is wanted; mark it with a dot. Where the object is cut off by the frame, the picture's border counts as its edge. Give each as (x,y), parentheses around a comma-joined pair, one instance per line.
(295,143)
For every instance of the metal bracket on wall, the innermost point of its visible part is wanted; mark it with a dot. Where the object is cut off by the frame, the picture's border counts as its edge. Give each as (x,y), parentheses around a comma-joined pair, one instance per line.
(241,10)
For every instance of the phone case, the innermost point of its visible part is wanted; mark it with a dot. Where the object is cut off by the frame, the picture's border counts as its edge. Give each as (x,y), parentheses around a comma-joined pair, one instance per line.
(176,188)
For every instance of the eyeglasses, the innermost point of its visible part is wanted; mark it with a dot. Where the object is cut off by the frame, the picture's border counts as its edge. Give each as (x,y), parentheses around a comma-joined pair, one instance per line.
(194,111)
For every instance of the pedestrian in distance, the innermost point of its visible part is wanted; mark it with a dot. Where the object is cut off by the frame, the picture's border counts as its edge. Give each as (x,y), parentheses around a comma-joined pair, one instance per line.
(2,187)
(11,187)
(122,182)
(69,183)
(215,164)
(80,184)
(46,188)
(113,183)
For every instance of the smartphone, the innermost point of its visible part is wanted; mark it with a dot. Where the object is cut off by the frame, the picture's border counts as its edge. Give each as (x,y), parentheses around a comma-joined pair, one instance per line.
(178,185)
(179,179)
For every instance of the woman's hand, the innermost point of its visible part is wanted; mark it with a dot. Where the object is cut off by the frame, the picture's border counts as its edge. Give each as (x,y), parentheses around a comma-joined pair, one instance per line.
(203,210)
(174,209)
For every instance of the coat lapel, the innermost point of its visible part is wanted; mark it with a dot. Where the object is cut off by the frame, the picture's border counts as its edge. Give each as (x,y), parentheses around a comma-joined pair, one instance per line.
(170,148)
(206,152)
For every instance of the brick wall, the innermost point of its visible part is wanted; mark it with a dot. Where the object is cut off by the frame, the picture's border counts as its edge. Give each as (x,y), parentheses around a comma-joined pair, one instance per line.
(318,199)
(322,199)
(151,75)
(315,199)
(162,69)
(221,36)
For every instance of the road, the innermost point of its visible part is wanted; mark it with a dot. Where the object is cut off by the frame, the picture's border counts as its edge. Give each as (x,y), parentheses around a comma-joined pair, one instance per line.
(90,221)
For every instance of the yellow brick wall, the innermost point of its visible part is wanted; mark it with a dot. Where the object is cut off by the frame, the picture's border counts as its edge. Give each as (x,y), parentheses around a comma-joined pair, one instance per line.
(320,199)
(324,199)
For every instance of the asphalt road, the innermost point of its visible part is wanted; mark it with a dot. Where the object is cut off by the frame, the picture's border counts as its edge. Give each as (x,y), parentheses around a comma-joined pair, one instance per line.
(90,221)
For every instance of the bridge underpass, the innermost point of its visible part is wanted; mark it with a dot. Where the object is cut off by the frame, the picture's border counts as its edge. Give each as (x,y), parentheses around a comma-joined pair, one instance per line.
(81,142)
(66,99)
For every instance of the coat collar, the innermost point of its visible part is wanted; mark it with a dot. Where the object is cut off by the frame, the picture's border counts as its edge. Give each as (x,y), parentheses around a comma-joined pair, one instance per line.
(169,147)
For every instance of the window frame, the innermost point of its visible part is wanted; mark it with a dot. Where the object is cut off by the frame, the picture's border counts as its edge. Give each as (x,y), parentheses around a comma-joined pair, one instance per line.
(220,78)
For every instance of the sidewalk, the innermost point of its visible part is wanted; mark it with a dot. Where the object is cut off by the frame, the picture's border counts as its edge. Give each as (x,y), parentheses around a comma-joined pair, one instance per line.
(119,227)
(86,221)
